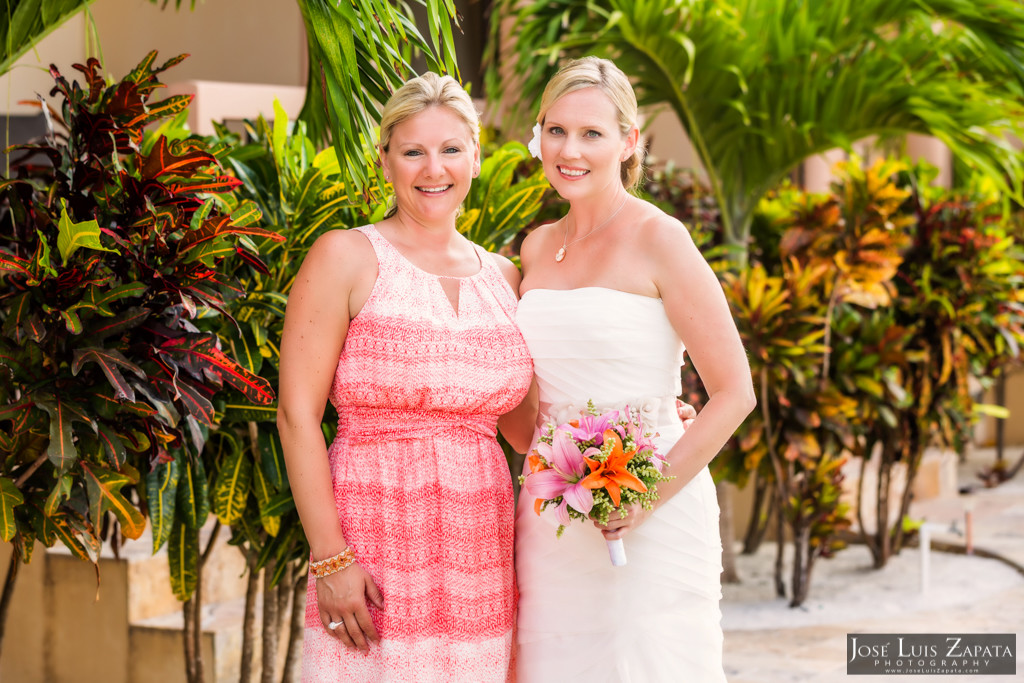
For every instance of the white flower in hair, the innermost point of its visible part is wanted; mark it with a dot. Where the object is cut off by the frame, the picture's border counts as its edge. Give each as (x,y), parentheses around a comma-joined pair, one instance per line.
(534,145)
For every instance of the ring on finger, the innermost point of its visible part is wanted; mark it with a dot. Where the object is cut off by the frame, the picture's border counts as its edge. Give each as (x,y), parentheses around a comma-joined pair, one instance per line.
(335,624)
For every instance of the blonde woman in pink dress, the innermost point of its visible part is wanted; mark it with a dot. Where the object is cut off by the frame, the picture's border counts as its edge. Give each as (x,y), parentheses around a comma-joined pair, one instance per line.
(408,329)
(610,295)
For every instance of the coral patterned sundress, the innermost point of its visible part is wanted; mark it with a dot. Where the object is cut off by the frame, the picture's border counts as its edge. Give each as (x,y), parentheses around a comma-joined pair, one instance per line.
(422,489)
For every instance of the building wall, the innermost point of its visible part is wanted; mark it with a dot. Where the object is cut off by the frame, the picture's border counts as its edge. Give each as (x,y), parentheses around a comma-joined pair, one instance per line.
(240,41)
(243,41)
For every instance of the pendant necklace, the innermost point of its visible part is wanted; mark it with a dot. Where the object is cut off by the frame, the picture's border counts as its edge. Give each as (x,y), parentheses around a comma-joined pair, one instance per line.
(560,255)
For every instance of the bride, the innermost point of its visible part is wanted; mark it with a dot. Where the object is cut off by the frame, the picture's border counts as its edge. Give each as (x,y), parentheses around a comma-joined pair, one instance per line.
(611,293)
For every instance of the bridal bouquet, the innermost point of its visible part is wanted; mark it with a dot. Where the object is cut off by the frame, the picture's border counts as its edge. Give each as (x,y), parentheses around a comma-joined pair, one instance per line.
(593,465)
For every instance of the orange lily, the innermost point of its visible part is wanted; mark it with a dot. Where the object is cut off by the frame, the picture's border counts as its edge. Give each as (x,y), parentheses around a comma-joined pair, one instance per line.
(612,474)
(536,465)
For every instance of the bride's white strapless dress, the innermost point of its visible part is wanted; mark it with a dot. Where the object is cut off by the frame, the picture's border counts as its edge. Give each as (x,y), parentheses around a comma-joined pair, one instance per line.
(656,619)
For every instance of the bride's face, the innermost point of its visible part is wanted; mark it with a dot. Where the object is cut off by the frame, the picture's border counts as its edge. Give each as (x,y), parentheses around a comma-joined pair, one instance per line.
(582,146)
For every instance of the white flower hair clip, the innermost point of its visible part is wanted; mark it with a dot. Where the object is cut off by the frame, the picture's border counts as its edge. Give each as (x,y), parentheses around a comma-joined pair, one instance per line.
(534,145)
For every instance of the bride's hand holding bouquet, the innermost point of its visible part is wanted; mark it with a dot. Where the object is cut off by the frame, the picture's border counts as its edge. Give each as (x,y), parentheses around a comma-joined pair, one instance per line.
(597,467)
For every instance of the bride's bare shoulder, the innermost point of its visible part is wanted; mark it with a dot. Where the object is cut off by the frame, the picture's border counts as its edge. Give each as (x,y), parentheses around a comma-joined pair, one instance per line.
(660,233)
(538,240)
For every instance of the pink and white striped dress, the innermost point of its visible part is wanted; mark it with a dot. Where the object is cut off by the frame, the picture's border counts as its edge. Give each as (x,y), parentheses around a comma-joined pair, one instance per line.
(422,489)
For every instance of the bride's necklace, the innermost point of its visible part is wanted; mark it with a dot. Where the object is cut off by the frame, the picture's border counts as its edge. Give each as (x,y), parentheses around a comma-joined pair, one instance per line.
(560,255)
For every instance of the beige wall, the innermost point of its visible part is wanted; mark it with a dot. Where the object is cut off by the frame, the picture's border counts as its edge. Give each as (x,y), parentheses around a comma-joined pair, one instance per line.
(668,140)
(245,41)
(31,75)
(242,41)
(985,431)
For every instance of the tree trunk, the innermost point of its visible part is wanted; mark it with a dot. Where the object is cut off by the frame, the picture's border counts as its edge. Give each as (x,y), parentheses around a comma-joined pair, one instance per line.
(797,574)
(725,527)
(802,560)
(9,581)
(284,596)
(780,546)
(897,532)
(1000,391)
(870,540)
(882,536)
(252,590)
(269,626)
(188,610)
(759,516)
(293,658)
(192,610)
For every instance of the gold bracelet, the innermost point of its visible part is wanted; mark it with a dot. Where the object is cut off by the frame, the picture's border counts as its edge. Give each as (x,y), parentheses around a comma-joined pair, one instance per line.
(332,565)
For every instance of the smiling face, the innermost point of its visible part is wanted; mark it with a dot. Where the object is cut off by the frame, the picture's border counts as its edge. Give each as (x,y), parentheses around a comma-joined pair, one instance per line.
(582,144)
(430,159)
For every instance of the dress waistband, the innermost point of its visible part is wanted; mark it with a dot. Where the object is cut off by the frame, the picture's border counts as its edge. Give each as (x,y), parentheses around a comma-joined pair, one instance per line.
(654,410)
(358,424)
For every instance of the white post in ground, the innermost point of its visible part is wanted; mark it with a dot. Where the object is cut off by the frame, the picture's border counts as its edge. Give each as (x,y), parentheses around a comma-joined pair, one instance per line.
(925,536)
(969,526)
(924,533)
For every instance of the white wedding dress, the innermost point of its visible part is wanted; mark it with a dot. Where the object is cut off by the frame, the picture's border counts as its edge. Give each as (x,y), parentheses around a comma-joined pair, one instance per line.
(656,619)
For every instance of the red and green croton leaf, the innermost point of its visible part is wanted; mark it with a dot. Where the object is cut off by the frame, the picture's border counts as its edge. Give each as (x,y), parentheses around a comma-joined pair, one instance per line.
(202,356)
(104,491)
(10,498)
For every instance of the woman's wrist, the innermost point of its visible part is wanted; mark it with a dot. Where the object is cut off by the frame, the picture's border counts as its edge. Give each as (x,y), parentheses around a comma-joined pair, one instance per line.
(332,565)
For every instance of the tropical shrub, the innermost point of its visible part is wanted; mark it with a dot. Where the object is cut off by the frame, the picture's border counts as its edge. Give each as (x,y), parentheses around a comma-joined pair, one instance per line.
(110,253)
(795,443)
(858,236)
(923,296)
(301,195)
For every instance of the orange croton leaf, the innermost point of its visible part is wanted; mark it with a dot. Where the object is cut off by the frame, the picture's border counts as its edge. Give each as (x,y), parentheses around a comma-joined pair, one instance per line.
(612,474)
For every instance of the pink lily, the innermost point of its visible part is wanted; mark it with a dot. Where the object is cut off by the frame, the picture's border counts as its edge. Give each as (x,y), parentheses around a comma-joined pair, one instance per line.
(591,427)
(562,479)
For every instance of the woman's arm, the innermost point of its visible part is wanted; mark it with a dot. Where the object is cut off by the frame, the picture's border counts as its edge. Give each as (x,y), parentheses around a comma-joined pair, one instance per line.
(700,314)
(518,424)
(334,276)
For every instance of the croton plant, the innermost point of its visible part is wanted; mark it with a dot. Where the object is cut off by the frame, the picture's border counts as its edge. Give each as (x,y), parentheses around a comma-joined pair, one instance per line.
(113,245)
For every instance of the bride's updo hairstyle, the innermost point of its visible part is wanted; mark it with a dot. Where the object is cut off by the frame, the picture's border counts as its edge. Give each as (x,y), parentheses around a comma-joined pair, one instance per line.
(419,94)
(593,72)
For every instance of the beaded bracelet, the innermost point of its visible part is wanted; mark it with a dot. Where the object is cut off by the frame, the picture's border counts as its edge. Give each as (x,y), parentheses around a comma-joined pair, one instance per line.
(332,565)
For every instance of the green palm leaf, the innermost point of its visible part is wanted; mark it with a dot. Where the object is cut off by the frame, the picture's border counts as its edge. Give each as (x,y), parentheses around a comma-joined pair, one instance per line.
(23,23)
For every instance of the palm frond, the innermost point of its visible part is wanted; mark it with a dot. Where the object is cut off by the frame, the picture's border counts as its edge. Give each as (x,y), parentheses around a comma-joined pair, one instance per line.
(23,23)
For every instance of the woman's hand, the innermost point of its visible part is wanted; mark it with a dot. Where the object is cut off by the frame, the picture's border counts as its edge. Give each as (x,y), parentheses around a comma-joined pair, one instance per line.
(618,526)
(342,598)
(687,413)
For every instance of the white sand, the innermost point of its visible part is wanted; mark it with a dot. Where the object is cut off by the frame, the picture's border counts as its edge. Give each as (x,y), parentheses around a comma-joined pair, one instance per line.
(846,589)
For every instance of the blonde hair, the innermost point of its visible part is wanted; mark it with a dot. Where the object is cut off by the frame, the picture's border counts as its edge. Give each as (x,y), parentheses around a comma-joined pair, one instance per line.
(593,72)
(421,93)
